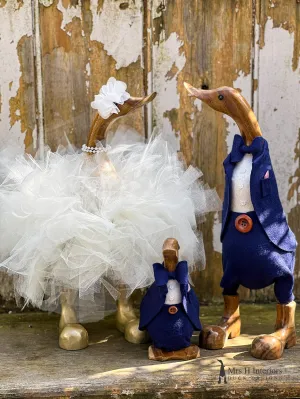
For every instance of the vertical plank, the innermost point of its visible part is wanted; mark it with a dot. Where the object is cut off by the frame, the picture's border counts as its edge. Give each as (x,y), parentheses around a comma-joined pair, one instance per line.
(17,89)
(278,94)
(208,44)
(83,44)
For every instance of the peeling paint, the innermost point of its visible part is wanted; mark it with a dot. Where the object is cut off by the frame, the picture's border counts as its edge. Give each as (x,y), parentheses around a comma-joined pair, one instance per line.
(158,11)
(283,16)
(167,57)
(68,14)
(11,126)
(278,88)
(46,3)
(87,75)
(198,104)
(121,32)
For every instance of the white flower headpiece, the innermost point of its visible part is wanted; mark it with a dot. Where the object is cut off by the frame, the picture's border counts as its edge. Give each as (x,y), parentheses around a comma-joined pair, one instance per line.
(114,92)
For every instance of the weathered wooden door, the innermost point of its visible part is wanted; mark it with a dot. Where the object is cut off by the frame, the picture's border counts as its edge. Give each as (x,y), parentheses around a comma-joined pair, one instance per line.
(55,55)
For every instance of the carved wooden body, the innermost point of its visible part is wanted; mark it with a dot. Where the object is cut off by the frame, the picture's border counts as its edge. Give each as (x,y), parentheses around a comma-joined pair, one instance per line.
(229,101)
(170,255)
(72,335)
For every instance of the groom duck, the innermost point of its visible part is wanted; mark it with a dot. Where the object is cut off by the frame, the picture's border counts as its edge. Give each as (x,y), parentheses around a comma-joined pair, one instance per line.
(258,245)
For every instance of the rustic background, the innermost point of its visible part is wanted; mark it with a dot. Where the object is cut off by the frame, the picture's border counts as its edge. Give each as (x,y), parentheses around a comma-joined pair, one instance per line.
(55,55)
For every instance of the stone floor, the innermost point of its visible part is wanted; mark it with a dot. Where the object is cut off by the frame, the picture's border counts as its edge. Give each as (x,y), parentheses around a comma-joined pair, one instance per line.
(32,365)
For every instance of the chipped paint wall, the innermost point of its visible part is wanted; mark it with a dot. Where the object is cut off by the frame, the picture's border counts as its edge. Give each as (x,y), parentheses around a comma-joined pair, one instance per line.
(119,27)
(17,98)
(17,88)
(168,61)
(157,45)
(278,109)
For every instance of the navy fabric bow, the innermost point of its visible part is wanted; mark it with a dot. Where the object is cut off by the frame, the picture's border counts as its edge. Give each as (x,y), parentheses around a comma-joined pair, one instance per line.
(239,148)
(162,276)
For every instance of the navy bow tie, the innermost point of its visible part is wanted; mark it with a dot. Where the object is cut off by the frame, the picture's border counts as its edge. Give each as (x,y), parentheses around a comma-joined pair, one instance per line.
(239,148)
(162,276)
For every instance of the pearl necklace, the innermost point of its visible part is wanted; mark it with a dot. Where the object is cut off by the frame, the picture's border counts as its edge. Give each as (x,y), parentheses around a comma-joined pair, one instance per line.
(94,150)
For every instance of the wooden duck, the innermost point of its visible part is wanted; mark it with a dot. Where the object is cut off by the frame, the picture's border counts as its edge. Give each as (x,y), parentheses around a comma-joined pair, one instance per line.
(170,309)
(258,245)
(72,335)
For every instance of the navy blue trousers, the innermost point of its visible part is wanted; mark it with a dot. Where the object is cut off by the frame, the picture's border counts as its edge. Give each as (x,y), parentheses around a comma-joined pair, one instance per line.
(252,260)
(171,332)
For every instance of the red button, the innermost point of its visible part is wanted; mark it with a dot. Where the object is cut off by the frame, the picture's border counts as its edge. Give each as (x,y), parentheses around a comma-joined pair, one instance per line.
(173,309)
(243,223)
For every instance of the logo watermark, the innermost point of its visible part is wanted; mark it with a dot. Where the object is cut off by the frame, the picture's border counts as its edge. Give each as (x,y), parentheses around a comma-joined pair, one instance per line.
(222,373)
(229,374)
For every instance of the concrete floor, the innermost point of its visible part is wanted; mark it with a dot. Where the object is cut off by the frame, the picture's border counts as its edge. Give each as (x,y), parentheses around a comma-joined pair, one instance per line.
(32,365)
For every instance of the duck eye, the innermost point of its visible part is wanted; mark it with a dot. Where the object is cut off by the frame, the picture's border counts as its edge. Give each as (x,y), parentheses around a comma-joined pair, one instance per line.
(220,96)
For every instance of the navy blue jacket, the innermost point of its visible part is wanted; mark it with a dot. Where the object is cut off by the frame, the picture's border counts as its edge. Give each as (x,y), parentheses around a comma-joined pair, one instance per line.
(155,297)
(264,193)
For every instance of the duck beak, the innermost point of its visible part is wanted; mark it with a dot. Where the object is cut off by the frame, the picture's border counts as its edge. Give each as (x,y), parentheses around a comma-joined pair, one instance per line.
(134,103)
(137,102)
(203,95)
(192,90)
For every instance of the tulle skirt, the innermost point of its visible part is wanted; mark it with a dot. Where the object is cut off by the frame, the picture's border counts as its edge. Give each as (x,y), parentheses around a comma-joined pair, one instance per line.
(95,223)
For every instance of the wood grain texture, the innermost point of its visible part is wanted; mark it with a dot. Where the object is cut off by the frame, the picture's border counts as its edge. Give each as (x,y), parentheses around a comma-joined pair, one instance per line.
(33,366)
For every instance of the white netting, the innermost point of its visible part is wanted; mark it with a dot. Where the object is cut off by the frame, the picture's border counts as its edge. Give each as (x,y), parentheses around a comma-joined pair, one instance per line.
(93,223)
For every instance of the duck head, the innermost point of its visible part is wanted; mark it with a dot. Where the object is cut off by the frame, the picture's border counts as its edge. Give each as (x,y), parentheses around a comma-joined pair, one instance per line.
(229,101)
(171,254)
(99,126)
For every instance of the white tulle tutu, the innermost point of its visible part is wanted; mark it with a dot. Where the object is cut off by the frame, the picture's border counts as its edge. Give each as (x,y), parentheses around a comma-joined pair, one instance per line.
(96,223)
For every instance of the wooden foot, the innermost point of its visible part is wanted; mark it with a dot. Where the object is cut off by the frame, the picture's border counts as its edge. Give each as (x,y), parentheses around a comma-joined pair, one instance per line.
(271,347)
(133,335)
(72,335)
(215,336)
(192,352)
(127,322)
(125,312)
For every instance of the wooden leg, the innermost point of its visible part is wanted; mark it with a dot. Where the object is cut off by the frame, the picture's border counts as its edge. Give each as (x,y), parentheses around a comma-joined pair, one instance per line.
(270,347)
(215,336)
(72,335)
(128,322)
(125,311)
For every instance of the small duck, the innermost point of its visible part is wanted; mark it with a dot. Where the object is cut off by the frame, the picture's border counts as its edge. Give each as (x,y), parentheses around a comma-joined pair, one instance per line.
(258,245)
(170,309)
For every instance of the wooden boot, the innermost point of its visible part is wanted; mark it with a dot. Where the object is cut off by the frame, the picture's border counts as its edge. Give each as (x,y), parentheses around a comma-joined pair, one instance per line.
(125,311)
(72,335)
(269,347)
(127,322)
(215,336)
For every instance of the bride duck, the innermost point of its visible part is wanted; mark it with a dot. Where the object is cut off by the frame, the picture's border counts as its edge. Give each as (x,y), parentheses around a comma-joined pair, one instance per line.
(82,229)
(258,245)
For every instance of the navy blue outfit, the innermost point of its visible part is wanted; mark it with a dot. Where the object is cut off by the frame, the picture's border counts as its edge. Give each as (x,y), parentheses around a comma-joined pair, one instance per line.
(266,254)
(170,332)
